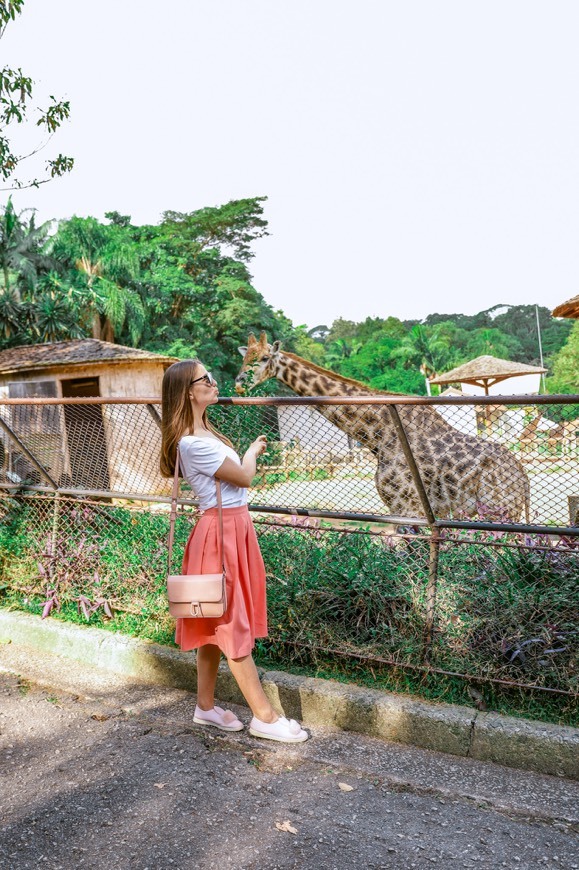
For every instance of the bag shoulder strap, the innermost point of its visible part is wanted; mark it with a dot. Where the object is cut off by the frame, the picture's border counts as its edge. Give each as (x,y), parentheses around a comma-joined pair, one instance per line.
(173,514)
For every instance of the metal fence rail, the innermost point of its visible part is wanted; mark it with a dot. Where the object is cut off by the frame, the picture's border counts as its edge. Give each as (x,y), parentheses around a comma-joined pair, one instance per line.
(435,534)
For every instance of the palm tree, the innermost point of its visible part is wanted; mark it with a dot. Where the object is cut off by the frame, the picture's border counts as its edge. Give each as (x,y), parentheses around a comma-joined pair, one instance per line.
(22,259)
(339,350)
(105,268)
(21,250)
(426,349)
(14,315)
(55,314)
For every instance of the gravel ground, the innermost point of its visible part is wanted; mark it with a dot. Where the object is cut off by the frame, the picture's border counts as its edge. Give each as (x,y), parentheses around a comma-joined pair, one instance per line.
(115,775)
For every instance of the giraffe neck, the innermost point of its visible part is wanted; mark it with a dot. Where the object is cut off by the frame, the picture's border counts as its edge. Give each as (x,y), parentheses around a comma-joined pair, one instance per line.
(369,424)
(306,379)
(365,423)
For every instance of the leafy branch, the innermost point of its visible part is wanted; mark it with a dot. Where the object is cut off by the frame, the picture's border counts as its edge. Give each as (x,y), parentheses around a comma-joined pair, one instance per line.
(16,100)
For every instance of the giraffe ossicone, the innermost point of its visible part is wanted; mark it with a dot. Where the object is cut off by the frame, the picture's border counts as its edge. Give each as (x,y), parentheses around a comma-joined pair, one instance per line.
(463,475)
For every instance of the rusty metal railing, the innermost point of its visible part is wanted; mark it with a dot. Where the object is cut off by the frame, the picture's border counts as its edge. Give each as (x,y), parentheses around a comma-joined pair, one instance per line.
(330,470)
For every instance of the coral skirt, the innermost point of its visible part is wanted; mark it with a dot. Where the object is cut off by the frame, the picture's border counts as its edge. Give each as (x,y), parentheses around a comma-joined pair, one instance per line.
(246,616)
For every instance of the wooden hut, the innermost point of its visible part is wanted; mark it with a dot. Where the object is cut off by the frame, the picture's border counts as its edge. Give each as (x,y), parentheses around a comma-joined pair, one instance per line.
(94,447)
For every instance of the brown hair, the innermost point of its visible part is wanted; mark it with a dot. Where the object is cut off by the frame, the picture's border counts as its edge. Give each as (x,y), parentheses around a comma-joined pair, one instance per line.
(177,412)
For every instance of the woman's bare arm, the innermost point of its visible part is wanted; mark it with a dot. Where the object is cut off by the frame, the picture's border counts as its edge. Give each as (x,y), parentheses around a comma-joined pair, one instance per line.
(242,475)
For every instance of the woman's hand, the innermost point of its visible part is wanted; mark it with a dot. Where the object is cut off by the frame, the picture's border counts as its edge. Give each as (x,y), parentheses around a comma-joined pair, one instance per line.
(259,446)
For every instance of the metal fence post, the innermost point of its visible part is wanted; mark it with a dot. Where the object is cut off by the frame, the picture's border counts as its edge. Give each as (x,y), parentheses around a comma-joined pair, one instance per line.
(434,548)
(55,525)
(431,589)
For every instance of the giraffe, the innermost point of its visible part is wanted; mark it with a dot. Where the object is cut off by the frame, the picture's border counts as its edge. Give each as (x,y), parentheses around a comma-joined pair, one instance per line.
(461,473)
(565,434)
(528,437)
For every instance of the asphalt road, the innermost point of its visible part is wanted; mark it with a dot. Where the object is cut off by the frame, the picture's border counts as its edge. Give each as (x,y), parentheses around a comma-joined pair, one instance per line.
(99,773)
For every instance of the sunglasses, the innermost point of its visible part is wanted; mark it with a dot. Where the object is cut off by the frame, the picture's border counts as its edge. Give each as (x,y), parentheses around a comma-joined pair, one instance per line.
(208,378)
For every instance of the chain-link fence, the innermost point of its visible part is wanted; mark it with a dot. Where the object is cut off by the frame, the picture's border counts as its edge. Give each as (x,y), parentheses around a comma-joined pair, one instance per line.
(437,535)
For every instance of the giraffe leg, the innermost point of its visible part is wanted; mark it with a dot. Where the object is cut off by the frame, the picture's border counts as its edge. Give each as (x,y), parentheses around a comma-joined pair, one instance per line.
(396,489)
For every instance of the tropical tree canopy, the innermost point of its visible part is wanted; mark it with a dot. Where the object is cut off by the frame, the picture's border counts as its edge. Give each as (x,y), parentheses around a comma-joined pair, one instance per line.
(183,287)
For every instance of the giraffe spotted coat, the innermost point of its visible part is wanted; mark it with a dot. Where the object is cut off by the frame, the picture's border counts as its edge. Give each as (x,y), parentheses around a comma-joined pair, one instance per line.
(463,475)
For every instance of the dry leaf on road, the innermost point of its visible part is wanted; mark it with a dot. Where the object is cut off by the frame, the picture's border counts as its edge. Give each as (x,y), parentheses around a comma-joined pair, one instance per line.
(159,784)
(345,787)
(286,826)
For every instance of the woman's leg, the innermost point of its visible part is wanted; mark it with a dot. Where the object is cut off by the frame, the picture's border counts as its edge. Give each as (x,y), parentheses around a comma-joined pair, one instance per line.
(208,657)
(247,678)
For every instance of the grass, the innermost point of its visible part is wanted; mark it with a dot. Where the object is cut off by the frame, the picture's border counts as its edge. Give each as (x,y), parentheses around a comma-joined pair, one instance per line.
(501,612)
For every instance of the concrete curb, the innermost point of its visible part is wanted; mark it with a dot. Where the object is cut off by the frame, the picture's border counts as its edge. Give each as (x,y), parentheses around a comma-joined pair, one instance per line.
(521,743)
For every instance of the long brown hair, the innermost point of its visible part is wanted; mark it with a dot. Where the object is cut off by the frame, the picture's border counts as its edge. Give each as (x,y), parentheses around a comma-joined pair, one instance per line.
(177,412)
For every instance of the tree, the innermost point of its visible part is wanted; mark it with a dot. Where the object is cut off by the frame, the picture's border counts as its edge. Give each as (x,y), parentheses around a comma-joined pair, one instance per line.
(493,342)
(197,285)
(55,310)
(399,380)
(566,365)
(339,350)
(341,328)
(427,349)
(15,105)
(462,321)
(21,253)
(520,322)
(307,347)
(235,225)
(34,305)
(103,266)
(371,359)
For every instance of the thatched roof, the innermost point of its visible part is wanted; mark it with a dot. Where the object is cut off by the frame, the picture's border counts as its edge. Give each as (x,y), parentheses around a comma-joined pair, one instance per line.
(567,309)
(76,352)
(486,368)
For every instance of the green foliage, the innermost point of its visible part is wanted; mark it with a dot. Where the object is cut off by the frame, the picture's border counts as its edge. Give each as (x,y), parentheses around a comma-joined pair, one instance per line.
(22,257)
(307,347)
(399,380)
(517,322)
(235,225)
(34,304)
(197,284)
(101,262)
(565,377)
(173,288)
(16,102)
(390,356)
(501,612)
(183,288)
(520,322)
(493,342)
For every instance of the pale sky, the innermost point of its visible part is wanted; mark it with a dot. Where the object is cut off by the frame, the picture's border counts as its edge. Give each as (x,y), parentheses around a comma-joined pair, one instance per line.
(417,156)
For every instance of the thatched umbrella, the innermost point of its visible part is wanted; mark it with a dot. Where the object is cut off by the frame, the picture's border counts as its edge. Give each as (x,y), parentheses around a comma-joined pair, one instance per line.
(484,371)
(567,309)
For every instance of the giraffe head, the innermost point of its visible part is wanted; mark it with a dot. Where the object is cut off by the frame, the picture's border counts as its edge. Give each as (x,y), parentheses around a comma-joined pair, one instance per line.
(259,363)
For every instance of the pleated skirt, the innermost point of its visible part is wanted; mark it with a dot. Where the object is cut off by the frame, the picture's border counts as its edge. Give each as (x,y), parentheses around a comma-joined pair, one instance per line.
(246,616)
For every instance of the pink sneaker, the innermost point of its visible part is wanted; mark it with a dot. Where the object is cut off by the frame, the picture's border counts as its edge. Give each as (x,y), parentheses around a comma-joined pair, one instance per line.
(284,730)
(219,718)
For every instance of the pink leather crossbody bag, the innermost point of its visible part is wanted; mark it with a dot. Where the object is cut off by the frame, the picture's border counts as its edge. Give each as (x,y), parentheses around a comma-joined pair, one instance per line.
(195,595)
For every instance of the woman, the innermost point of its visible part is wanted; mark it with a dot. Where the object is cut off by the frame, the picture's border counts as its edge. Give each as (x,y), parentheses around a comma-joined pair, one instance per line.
(188,389)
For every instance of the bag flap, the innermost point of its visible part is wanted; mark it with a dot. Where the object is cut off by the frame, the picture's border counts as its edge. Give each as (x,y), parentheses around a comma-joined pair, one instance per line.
(195,587)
